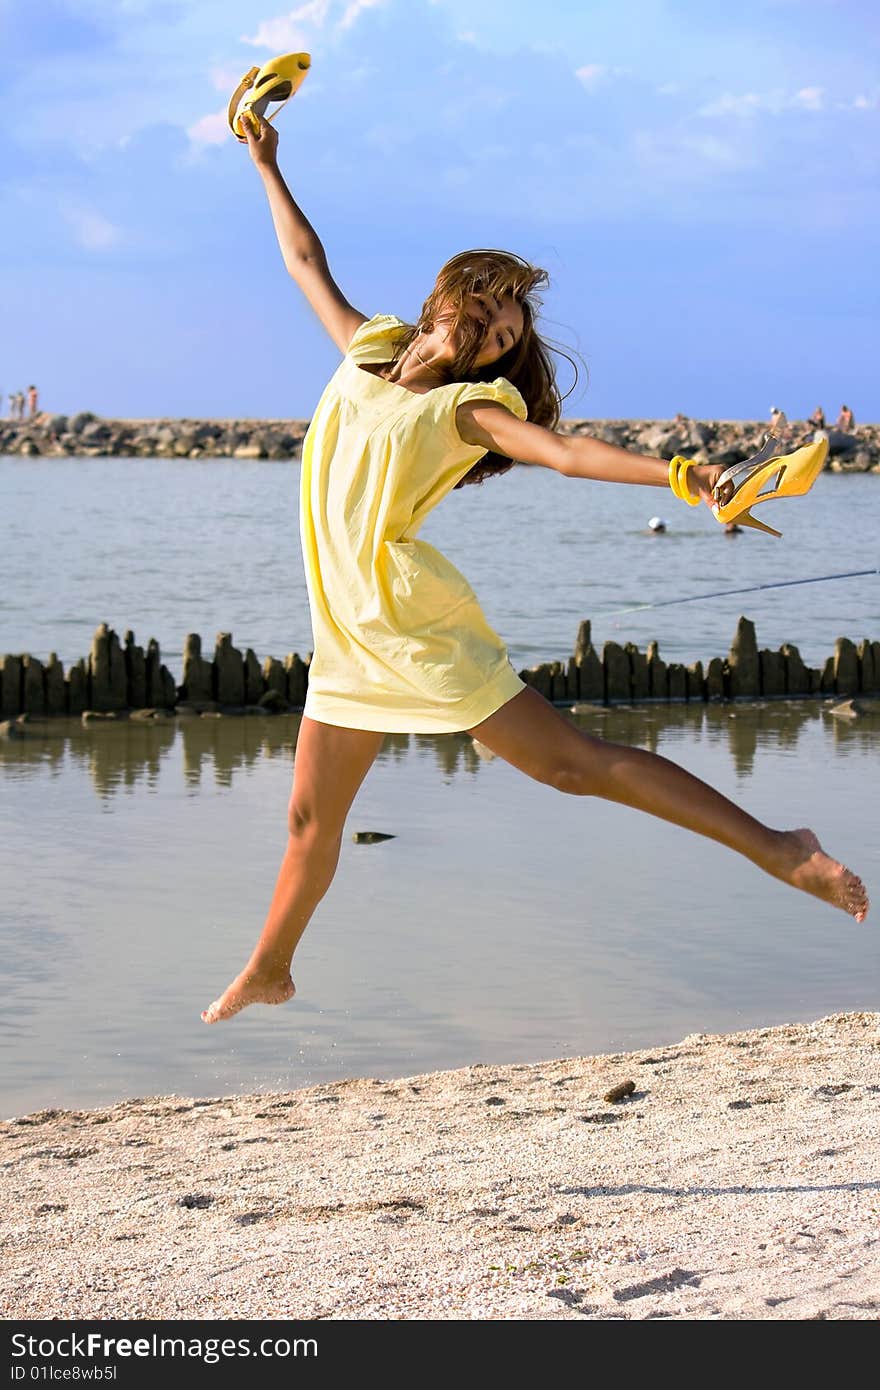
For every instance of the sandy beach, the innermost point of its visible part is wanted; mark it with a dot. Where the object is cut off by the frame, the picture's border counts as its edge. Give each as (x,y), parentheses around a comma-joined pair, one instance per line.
(740,1179)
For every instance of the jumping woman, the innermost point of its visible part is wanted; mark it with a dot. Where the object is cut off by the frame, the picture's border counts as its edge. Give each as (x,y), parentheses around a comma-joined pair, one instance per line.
(400,642)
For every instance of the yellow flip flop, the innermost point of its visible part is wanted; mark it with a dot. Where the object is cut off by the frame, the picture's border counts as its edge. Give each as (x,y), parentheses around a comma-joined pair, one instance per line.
(271,85)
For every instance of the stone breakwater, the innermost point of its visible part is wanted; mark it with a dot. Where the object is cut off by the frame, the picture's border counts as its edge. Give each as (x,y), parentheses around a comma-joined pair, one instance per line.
(85,435)
(126,681)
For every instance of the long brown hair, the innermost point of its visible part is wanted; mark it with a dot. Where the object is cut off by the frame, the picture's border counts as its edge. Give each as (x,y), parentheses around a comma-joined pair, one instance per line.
(527,365)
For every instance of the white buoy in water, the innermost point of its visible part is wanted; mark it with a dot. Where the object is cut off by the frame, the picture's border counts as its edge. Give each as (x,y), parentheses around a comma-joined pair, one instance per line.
(657,523)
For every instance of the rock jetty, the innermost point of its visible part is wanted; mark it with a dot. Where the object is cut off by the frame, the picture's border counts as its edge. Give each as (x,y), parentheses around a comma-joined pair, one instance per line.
(85,435)
(88,436)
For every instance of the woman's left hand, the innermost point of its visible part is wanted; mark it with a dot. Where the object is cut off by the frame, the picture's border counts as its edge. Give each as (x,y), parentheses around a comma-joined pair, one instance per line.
(702,480)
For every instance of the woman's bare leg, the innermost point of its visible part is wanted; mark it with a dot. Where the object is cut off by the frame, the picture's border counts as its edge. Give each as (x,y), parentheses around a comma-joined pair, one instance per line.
(330,765)
(532,735)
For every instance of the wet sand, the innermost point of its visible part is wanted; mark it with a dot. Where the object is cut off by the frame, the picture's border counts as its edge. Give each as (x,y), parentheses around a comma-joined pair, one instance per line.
(740,1179)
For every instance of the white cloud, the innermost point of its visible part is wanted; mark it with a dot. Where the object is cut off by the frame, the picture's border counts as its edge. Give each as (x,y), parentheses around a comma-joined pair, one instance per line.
(90,228)
(284,33)
(810,98)
(355,10)
(592,73)
(774,102)
(212,129)
(728,105)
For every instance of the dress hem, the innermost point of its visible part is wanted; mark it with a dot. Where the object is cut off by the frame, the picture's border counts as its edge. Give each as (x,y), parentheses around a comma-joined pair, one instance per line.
(462,717)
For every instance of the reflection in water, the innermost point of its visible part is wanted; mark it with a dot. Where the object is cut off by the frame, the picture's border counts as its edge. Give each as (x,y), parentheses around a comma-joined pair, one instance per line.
(124,754)
(503,922)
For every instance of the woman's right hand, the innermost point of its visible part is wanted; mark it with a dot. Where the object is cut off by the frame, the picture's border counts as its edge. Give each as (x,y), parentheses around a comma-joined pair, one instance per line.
(262,144)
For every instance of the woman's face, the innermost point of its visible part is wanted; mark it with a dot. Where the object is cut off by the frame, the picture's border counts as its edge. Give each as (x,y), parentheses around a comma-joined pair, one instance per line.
(501,321)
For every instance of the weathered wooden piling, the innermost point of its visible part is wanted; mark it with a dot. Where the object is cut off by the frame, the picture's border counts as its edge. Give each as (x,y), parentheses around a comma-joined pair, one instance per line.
(198,678)
(135,673)
(228,671)
(557,681)
(696,683)
(572,679)
(161,690)
(743,662)
(846,667)
(797,679)
(11,686)
(772,672)
(616,663)
(99,670)
(715,679)
(56,693)
(677,676)
(33,691)
(640,681)
(78,687)
(868,674)
(584,640)
(296,674)
(253,678)
(591,677)
(118,676)
(275,677)
(658,677)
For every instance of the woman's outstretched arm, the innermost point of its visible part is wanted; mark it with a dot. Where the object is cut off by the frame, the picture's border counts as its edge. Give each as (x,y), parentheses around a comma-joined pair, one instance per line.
(494,427)
(304,256)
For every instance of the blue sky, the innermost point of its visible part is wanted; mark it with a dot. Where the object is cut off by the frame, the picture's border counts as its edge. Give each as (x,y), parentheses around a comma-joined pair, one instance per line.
(700,179)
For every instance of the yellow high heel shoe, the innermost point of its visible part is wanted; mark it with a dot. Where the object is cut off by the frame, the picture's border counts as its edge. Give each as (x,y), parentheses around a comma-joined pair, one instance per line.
(276,81)
(766,475)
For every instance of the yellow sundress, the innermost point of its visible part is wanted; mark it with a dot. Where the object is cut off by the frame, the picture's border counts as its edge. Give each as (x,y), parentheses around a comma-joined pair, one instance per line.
(400,644)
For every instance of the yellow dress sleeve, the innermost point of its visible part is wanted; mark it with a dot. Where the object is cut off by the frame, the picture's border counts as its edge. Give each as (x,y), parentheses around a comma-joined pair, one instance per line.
(500,390)
(375,334)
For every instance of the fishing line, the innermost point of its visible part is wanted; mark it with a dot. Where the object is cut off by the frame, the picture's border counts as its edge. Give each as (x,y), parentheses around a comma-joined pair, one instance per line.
(724,593)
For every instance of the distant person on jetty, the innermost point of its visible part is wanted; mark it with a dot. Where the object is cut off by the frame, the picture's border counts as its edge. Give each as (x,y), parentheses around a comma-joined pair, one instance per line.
(401,642)
(17,405)
(846,421)
(33,401)
(815,422)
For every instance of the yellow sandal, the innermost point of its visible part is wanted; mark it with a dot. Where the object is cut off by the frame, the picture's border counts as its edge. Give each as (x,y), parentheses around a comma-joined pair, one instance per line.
(276,81)
(766,475)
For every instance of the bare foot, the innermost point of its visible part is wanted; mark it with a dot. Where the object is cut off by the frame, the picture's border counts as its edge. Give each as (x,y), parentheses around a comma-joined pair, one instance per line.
(249,988)
(806,865)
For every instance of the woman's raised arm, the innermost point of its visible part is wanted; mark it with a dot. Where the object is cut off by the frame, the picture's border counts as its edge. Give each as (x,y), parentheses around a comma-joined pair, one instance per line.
(303,254)
(492,426)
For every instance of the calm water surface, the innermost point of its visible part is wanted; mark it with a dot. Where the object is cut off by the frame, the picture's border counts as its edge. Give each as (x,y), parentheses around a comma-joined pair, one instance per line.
(504,922)
(166,547)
